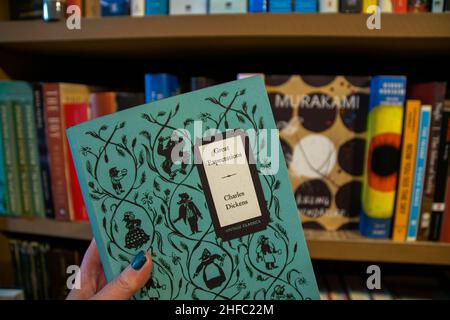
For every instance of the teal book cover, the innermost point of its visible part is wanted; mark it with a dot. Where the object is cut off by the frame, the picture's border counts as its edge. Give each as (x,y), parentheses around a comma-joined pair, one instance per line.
(199,180)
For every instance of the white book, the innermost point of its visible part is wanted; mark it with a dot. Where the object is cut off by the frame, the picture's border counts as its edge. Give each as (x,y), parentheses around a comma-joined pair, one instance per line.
(328,6)
(137,8)
(182,7)
(11,294)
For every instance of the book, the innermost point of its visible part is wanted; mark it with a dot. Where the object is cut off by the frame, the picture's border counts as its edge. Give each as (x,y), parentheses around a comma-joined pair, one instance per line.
(44,164)
(156,7)
(188,7)
(306,6)
(437,6)
(201,82)
(382,156)
(208,239)
(26,9)
(103,103)
(447,6)
(11,294)
(367,4)
(9,92)
(406,172)
(419,172)
(54,10)
(336,287)
(322,122)
(445,228)
(227,6)
(109,8)
(160,86)
(137,8)
(400,6)
(415,6)
(432,93)
(56,96)
(255,6)
(356,287)
(439,203)
(350,6)
(92,8)
(280,6)
(386,6)
(3,182)
(328,6)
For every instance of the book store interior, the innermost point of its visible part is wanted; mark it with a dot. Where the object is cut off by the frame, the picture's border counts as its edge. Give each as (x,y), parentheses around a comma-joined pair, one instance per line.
(359,94)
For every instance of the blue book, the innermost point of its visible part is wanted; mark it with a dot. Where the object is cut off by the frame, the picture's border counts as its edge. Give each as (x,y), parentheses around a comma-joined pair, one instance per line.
(156,7)
(111,8)
(305,6)
(382,156)
(189,179)
(257,6)
(159,86)
(280,6)
(437,6)
(419,172)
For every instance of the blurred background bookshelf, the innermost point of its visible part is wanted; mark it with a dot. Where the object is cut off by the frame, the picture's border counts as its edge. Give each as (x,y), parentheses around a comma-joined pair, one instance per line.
(116,52)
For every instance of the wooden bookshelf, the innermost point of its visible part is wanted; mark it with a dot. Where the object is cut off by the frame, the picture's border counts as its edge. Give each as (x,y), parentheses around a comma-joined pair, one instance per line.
(342,245)
(131,36)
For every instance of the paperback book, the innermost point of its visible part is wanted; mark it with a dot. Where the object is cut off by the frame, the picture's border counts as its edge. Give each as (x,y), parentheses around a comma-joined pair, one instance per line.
(200,181)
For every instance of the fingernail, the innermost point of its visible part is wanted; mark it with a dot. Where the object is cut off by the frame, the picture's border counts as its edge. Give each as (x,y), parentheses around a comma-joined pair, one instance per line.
(139,260)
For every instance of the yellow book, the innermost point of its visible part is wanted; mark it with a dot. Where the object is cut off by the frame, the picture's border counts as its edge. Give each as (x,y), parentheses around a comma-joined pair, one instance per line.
(406,174)
(367,3)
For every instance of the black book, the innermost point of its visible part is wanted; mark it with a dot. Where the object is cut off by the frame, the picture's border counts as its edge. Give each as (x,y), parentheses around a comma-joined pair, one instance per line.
(350,6)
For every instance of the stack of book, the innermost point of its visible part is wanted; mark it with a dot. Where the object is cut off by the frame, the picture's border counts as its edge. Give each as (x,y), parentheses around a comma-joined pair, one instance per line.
(51,10)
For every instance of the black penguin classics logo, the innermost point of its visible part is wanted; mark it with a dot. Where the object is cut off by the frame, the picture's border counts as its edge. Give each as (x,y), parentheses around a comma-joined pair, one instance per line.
(213,275)
(188,211)
(169,159)
(136,237)
(116,176)
(266,252)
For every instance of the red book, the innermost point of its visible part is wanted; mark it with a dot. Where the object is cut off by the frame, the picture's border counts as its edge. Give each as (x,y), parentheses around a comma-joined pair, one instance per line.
(399,6)
(75,113)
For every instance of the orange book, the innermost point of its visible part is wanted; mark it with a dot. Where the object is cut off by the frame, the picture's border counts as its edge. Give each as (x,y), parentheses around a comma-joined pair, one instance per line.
(406,173)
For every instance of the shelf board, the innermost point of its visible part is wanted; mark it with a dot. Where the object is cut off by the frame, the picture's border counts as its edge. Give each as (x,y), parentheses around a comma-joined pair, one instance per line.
(342,245)
(247,33)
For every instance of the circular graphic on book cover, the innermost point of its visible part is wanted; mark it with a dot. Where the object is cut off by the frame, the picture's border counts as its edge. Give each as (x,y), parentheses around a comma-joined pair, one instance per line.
(349,156)
(313,198)
(347,199)
(282,106)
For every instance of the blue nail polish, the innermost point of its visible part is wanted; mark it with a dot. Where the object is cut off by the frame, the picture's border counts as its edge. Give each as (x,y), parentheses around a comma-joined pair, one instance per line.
(139,260)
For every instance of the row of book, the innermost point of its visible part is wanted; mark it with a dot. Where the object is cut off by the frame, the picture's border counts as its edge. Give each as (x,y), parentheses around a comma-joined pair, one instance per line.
(55,9)
(40,269)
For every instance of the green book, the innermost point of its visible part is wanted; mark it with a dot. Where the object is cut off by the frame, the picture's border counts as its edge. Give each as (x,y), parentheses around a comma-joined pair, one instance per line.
(8,93)
(200,181)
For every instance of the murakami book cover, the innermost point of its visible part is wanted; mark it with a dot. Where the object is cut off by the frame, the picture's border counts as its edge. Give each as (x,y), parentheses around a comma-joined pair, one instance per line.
(200,181)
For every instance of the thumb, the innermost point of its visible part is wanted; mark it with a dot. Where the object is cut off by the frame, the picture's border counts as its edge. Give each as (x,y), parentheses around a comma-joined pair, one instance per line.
(130,281)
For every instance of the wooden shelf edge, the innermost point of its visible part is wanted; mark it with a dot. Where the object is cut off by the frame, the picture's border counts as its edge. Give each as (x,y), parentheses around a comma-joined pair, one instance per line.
(340,246)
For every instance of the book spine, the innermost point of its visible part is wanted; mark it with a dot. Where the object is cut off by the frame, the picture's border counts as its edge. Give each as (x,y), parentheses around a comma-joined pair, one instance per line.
(44,164)
(31,143)
(188,7)
(447,6)
(439,204)
(110,8)
(257,6)
(14,202)
(419,172)
(56,151)
(3,181)
(92,8)
(350,6)
(437,6)
(406,176)
(137,8)
(415,6)
(306,6)
(366,4)
(156,7)
(227,6)
(386,6)
(328,6)
(23,161)
(280,6)
(400,6)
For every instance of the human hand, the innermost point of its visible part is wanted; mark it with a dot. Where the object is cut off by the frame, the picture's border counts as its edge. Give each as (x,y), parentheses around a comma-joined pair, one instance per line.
(93,282)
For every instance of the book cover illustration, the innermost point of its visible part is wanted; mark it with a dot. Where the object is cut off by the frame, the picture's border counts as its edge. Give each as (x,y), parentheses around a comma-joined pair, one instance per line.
(140,198)
(322,123)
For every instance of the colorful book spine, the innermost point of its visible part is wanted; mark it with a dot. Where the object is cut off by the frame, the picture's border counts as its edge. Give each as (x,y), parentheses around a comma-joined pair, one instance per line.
(156,7)
(437,6)
(110,8)
(400,6)
(92,8)
(429,93)
(185,7)
(255,6)
(368,4)
(51,93)
(159,86)
(137,8)
(350,6)
(328,6)
(227,6)
(3,183)
(406,173)
(439,203)
(419,172)
(386,6)
(280,6)
(387,95)
(415,6)
(305,6)
(14,202)
(44,165)
(74,113)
